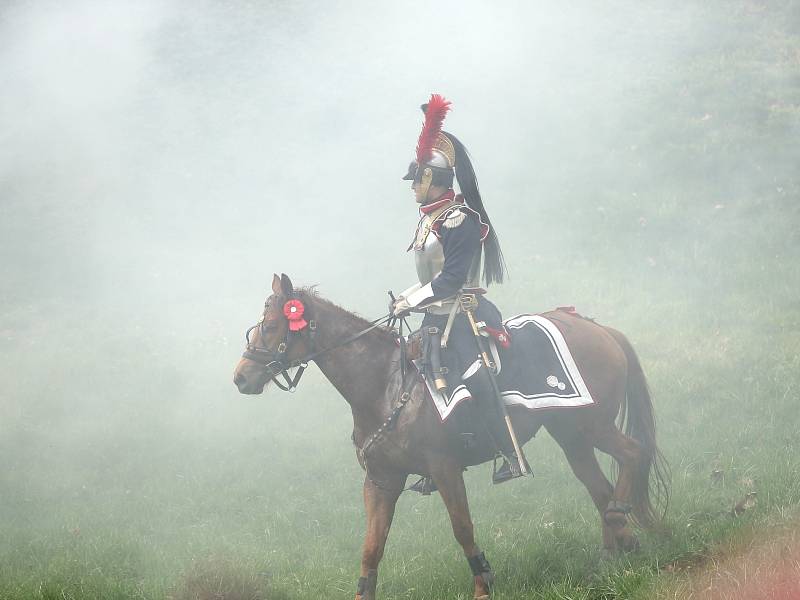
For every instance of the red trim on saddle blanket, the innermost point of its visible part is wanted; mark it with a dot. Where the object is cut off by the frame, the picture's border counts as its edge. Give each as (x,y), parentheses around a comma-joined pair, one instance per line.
(570,310)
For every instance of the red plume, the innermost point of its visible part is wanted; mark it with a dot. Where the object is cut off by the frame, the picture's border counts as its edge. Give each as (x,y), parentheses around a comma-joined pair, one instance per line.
(435,111)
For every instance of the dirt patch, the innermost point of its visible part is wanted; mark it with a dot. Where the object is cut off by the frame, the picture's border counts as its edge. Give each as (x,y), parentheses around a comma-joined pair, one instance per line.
(757,570)
(220,579)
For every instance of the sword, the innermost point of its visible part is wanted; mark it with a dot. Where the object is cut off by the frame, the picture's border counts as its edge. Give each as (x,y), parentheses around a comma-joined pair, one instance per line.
(469,302)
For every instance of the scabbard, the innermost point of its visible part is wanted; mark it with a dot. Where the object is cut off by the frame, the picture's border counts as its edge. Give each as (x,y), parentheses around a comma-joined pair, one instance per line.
(469,303)
(432,347)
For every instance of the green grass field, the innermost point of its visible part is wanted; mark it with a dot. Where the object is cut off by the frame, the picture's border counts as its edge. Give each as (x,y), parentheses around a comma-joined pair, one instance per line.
(235,497)
(131,468)
(238,499)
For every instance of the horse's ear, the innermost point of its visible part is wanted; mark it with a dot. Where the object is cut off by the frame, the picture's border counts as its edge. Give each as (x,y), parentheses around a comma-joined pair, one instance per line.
(286,285)
(276,284)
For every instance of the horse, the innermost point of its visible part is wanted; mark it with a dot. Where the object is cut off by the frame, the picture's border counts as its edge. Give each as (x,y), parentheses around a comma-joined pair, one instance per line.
(397,431)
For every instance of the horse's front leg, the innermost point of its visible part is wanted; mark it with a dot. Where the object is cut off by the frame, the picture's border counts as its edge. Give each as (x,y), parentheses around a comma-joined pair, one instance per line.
(379,501)
(448,476)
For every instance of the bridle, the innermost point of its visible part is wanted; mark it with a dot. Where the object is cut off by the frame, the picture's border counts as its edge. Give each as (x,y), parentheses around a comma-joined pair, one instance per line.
(275,360)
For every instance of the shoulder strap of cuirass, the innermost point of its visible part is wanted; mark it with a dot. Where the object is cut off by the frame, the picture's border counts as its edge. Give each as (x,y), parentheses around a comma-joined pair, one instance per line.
(426,224)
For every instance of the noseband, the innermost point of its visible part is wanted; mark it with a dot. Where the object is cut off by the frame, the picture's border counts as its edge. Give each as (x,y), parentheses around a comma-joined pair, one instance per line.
(275,360)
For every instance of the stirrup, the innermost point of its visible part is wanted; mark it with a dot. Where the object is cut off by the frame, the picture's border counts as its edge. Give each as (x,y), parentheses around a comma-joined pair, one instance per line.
(508,470)
(424,486)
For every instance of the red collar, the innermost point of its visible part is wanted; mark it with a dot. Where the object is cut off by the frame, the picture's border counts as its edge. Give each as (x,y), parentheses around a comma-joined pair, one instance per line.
(437,204)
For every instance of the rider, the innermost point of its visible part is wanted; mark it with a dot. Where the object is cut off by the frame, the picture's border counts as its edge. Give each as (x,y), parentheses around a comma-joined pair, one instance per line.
(452,234)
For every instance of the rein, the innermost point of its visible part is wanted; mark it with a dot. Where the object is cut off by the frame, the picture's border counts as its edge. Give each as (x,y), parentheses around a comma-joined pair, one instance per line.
(274,360)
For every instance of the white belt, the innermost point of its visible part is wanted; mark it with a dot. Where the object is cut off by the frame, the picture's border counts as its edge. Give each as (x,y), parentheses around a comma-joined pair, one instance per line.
(443,307)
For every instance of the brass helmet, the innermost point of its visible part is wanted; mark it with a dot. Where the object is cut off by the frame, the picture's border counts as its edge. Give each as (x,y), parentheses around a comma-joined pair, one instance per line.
(435,160)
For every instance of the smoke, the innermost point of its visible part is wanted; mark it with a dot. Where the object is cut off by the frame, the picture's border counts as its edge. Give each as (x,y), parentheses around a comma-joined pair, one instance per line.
(159,161)
(195,146)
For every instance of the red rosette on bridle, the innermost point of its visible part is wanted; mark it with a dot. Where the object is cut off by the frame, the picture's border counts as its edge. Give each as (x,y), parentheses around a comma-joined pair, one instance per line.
(294,310)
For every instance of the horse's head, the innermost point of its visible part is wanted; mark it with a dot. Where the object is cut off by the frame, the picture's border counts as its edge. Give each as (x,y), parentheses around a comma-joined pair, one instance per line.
(276,342)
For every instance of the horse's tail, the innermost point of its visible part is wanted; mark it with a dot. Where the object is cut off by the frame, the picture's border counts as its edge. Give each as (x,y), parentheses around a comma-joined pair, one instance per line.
(638,421)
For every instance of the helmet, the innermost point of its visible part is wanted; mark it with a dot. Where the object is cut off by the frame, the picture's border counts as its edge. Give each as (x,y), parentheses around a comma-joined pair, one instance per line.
(436,156)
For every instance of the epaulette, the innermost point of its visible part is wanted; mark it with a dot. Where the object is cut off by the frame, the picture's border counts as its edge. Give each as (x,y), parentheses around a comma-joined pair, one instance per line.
(454,218)
(456,212)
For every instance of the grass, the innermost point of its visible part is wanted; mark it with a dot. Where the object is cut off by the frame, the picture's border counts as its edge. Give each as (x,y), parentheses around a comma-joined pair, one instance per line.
(132,469)
(234,497)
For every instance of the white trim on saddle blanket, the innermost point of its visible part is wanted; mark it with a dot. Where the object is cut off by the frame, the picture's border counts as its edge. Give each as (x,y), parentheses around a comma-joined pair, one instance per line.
(581,397)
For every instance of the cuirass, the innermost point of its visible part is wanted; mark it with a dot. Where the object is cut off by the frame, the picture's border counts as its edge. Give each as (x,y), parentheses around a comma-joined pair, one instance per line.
(428,253)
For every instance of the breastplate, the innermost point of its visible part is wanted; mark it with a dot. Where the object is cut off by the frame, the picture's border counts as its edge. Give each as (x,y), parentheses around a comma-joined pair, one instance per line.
(428,254)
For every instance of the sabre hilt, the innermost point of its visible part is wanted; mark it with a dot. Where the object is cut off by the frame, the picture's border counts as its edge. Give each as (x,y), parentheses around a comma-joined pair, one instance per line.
(469,302)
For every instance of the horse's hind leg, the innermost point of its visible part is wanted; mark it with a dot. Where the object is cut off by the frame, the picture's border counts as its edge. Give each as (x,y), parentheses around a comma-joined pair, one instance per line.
(449,479)
(630,456)
(583,461)
(379,503)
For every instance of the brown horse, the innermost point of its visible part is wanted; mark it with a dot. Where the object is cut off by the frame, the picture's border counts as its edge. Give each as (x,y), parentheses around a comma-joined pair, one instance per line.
(398,432)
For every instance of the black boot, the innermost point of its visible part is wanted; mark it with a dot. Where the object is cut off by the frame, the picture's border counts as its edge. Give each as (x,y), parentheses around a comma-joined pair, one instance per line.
(480,386)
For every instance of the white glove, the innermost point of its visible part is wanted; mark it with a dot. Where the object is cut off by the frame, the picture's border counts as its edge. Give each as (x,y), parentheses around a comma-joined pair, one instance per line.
(401,306)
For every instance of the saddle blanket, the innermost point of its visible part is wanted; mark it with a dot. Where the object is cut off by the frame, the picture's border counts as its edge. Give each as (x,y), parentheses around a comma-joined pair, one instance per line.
(537,371)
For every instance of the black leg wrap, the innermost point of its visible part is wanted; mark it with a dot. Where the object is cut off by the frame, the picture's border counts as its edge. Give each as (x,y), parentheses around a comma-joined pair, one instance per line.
(367,585)
(616,506)
(481,567)
(479,564)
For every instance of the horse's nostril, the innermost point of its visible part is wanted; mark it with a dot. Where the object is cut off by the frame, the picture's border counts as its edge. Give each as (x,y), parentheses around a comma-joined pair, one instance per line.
(238,379)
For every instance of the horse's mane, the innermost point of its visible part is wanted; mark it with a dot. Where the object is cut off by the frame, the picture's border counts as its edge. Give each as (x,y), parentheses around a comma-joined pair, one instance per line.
(384,332)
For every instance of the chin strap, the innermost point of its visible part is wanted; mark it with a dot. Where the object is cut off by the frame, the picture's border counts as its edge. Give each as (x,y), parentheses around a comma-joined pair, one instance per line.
(291,382)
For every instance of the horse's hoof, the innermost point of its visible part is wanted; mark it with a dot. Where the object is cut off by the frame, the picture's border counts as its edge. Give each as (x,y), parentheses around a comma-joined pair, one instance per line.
(483,585)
